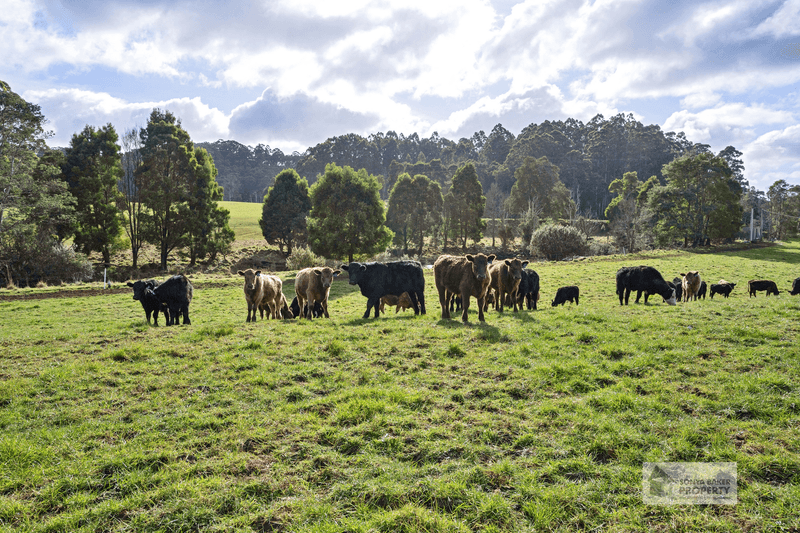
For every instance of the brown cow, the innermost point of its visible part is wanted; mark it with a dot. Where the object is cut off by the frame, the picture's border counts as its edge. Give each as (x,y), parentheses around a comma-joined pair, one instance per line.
(506,276)
(313,285)
(271,298)
(463,275)
(402,302)
(253,292)
(690,285)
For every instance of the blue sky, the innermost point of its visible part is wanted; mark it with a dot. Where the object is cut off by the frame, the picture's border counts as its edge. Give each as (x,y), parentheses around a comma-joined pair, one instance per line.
(291,73)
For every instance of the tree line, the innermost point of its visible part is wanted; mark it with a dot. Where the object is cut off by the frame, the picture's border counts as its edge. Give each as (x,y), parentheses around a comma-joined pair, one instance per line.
(354,195)
(156,187)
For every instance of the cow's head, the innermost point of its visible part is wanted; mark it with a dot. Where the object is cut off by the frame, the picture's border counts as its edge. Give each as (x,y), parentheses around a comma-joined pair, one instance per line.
(515,267)
(250,277)
(480,265)
(355,272)
(773,288)
(672,300)
(692,277)
(140,288)
(326,275)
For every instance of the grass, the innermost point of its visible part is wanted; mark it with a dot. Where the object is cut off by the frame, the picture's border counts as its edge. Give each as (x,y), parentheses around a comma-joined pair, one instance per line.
(244,219)
(535,421)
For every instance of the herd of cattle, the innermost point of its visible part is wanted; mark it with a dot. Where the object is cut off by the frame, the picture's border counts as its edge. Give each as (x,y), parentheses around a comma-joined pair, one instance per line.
(402,284)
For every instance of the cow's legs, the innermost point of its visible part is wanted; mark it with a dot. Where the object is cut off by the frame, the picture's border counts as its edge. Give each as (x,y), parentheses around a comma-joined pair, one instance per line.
(444,299)
(465,307)
(414,302)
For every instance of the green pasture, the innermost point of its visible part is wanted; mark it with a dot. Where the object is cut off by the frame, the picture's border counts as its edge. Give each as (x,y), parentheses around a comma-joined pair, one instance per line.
(536,421)
(244,219)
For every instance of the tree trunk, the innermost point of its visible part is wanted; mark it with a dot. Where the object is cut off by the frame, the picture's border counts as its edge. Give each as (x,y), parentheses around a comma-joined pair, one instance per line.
(164,254)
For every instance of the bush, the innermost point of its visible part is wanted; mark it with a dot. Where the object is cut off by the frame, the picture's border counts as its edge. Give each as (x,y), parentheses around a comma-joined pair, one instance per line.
(51,264)
(601,248)
(557,242)
(303,258)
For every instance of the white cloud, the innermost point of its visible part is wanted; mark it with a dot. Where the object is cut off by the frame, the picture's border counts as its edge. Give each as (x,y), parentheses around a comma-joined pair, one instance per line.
(784,22)
(726,123)
(699,100)
(70,110)
(772,156)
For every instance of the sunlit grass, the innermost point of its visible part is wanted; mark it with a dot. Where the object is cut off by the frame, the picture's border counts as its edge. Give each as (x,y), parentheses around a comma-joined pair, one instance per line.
(534,421)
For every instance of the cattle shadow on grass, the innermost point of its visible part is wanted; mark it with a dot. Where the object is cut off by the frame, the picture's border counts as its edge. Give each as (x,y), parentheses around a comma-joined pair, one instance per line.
(381,320)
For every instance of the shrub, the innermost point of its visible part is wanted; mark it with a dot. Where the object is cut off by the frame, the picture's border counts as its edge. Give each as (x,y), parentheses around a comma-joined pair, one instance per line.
(556,242)
(601,248)
(51,264)
(303,258)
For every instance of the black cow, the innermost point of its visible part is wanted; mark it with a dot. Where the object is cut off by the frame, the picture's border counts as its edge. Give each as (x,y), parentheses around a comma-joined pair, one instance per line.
(566,294)
(678,284)
(176,293)
(722,288)
(755,285)
(295,309)
(795,287)
(377,280)
(528,290)
(702,292)
(645,279)
(150,303)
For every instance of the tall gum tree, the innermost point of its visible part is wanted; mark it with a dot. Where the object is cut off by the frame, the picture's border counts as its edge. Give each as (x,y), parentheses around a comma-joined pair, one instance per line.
(34,203)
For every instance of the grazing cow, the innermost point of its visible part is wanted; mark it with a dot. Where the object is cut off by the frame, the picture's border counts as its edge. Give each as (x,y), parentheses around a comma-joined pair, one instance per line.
(645,279)
(566,294)
(795,287)
(401,302)
(253,292)
(176,293)
(464,275)
(271,297)
(313,285)
(150,303)
(723,287)
(506,276)
(377,280)
(294,309)
(755,285)
(690,285)
(528,290)
(286,312)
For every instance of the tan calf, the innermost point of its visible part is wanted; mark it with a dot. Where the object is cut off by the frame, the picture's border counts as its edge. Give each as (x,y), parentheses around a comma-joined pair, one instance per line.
(313,285)
(272,296)
(690,285)
(465,276)
(506,276)
(253,292)
(402,302)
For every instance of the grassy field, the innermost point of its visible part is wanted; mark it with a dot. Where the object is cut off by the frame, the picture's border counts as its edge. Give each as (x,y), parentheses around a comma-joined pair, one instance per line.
(244,219)
(535,421)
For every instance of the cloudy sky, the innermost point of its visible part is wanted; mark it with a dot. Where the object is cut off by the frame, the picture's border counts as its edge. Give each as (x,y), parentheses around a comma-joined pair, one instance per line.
(291,73)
